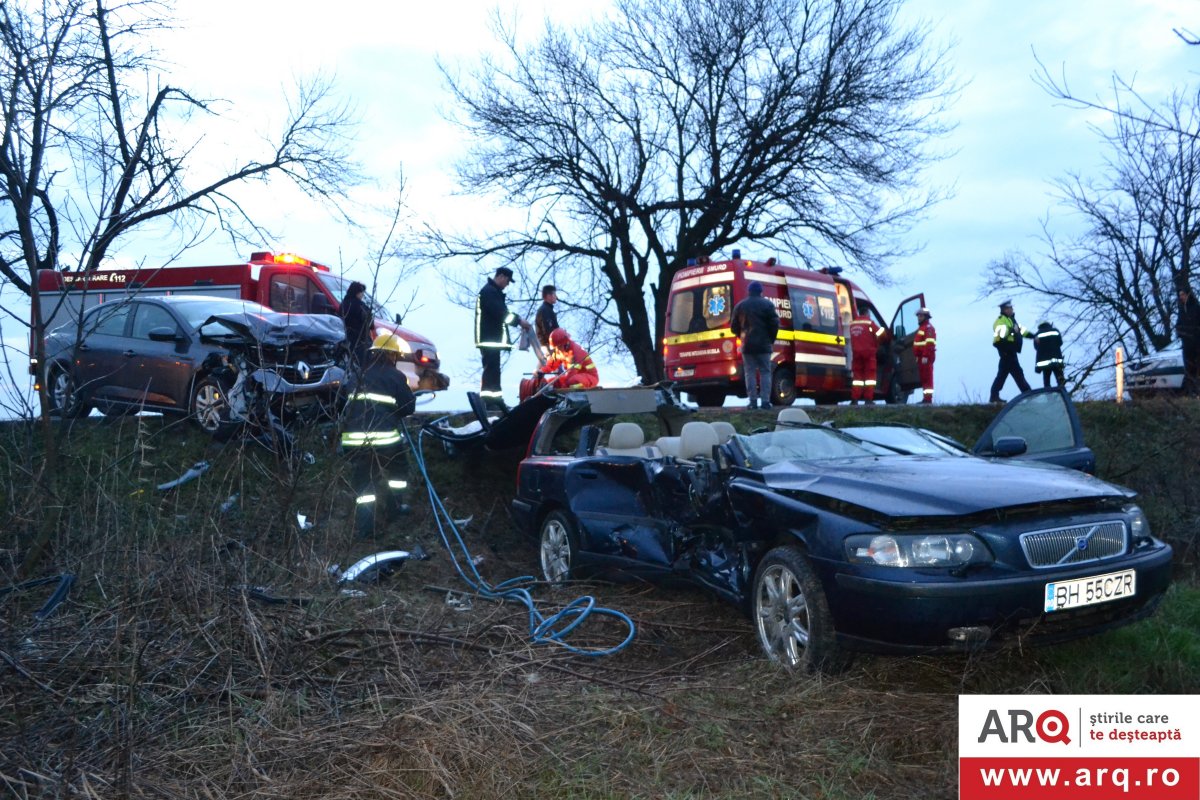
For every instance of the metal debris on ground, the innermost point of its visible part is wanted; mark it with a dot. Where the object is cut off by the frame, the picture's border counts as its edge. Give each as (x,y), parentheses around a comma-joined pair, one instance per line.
(378,565)
(304,522)
(457,601)
(195,471)
(229,503)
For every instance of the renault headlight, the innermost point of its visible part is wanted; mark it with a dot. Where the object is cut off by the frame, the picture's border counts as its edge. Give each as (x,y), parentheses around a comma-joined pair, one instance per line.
(917,550)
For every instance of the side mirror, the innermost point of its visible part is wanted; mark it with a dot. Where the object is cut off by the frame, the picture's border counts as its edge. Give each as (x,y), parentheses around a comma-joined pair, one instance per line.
(1009,446)
(321,304)
(164,334)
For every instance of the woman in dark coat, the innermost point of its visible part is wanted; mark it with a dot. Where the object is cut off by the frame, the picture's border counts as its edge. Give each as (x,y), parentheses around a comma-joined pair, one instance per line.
(359,321)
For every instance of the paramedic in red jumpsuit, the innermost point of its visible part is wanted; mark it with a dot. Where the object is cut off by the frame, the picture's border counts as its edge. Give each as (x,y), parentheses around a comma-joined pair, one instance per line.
(578,370)
(925,350)
(864,343)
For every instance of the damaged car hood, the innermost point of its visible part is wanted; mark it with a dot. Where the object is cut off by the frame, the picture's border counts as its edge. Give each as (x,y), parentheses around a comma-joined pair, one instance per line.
(276,330)
(904,486)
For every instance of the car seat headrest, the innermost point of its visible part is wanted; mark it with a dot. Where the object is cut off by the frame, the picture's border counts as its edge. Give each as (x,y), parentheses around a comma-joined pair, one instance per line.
(791,416)
(626,436)
(696,440)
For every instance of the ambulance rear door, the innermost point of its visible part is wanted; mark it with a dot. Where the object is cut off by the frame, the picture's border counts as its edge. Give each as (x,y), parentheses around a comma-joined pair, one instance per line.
(904,329)
(822,349)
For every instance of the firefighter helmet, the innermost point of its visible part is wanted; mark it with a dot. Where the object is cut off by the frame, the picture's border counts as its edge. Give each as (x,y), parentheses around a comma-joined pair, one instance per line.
(924,311)
(388,342)
(560,338)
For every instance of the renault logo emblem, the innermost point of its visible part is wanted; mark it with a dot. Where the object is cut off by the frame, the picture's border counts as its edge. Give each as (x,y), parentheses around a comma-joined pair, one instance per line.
(303,370)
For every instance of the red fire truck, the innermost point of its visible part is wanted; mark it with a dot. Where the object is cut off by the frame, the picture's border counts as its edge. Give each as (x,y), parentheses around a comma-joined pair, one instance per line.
(812,351)
(283,281)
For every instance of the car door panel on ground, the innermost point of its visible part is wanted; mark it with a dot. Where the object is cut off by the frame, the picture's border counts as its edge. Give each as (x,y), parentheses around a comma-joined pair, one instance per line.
(1049,424)
(156,373)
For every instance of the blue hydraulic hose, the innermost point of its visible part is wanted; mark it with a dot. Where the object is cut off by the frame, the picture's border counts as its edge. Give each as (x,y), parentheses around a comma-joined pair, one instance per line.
(542,629)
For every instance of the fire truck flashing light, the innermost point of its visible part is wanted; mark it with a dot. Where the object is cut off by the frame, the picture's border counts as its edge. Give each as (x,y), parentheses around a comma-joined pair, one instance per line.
(286,258)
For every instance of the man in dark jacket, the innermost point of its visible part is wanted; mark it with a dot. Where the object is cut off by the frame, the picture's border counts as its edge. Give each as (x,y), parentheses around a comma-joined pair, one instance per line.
(756,323)
(1188,329)
(379,399)
(546,321)
(492,319)
(359,320)
(1047,344)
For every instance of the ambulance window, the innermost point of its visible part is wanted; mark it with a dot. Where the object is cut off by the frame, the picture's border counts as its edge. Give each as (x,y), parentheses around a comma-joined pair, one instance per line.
(703,308)
(814,311)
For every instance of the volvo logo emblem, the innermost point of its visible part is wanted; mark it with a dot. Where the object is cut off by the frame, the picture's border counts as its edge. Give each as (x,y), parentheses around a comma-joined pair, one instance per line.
(1081,543)
(305,372)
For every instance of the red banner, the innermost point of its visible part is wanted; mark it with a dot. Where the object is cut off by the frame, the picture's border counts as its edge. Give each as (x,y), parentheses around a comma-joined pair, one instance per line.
(1037,778)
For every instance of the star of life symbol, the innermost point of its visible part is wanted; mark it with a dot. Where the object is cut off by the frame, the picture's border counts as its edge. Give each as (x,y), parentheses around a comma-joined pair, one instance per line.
(716,306)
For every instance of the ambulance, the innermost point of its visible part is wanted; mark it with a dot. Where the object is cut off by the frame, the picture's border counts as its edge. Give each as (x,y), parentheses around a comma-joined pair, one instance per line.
(812,353)
(285,282)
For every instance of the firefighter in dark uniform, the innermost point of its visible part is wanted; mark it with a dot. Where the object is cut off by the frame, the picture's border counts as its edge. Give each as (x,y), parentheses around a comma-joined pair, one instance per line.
(379,399)
(545,321)
(1007,336)
(1047,344)
(492,319)
(864,347)
(925,351)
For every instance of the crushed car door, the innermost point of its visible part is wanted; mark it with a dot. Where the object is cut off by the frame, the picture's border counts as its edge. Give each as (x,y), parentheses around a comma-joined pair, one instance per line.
(1046,419)
(614,502)
(904,329)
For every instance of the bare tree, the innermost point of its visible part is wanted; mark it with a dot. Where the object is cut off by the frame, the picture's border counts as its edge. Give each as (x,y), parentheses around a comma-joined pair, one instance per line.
(1116,278)
(671,129)
(97,144)
(86,157)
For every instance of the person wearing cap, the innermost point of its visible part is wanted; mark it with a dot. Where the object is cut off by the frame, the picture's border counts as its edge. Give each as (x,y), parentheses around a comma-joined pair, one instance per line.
(925,351)
(573,365)
(379,398)
(545,321)
(1187,328)
(492,320)
(865,336)
(1047,344)
(756,323)
(1007,336)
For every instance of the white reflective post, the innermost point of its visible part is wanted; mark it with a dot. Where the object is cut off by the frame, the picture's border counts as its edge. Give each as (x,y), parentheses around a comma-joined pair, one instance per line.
(1120,375)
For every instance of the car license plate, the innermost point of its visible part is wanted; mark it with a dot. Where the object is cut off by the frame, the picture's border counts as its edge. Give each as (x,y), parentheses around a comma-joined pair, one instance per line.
(1089,591)
(684,373)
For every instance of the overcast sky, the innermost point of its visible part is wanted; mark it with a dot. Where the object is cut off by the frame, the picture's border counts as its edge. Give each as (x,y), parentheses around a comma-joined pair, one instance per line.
(1011,138)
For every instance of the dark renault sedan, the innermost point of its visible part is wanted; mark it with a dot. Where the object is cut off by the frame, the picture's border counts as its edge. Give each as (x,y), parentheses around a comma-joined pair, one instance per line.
(210,357)
(833,543)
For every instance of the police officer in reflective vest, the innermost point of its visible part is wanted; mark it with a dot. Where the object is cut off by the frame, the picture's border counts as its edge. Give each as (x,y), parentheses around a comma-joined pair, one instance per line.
(492,320)
(925,351)
(379,398)
(864,344)
(1047,343)
(1006,338)
(575,364)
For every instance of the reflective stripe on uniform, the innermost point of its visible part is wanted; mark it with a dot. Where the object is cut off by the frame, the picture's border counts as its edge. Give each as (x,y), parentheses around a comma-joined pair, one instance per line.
(397,484)
(491,393)
(858,383)
(928,392)
(1047,333)
(1049,361)
(362,499)
(370,438)
(868,383)
(374,398)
